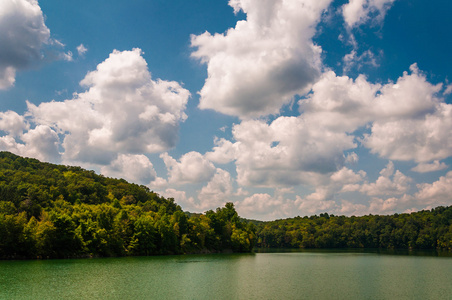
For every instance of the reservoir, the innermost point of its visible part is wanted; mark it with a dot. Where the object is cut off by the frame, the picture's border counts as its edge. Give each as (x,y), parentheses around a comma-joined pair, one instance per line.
(283,275)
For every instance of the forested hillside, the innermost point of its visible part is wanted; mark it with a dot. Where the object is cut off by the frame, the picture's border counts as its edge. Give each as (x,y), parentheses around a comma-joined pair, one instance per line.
(49,210)
(56,211)
(428,229)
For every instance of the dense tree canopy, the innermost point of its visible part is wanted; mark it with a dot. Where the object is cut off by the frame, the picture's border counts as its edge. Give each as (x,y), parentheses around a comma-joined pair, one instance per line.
(428,229)
(49,210)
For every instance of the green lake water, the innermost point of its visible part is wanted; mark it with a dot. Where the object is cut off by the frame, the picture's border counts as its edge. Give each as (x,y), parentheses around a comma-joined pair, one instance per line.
(295,275)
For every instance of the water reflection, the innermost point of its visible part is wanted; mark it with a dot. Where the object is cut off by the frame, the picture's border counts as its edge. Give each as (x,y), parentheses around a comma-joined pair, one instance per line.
(414,252)
(303,274)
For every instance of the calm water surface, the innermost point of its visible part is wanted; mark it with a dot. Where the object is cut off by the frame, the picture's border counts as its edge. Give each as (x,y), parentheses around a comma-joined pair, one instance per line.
(299,275)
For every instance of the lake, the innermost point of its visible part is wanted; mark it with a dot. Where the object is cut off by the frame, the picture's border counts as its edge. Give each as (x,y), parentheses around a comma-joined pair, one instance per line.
(292,275)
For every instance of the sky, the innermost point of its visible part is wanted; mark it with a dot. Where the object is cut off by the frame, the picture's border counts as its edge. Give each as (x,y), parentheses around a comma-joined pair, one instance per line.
(283,107)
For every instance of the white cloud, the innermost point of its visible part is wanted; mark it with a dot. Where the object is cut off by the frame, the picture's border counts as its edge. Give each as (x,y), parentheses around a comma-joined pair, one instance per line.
(193,167)
(135,168)
(67,56)
(123,111)
(307,152)
(289,151)
(412,96)
(391,205)
(7,77)
(340,103)
(181,198)
(159,183)
(322,199)
(421,139)
(343,104)
(13,123)
(223,152)
(357,12)
(352,158)
(40,142)
(256,67)
(22,35)
(407,120)
(448,90)
(353,60)
(8,143)
(122,114)
(349,208)
(344,179)
(81,49)
(389,183)
(314,204)
(217,192)
(436,193)
(264,207)
(430,167)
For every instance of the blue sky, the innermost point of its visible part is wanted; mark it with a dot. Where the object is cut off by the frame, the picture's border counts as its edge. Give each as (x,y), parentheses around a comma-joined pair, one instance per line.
(284,107)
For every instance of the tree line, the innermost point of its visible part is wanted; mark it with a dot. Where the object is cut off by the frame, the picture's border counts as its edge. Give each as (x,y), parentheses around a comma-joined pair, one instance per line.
(427,229)
(56,211)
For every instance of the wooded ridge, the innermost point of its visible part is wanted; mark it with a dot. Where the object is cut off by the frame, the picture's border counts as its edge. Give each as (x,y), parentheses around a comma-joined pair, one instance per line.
(56,211)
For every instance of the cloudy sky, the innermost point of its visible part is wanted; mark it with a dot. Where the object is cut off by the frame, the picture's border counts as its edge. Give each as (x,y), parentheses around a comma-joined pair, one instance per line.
(284,107)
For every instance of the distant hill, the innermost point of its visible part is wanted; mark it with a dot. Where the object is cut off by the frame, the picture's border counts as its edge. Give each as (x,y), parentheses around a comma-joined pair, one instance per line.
(49,210)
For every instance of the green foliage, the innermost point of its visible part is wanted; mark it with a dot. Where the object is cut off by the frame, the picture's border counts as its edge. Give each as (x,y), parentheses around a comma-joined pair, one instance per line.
(428,229)
(54,211)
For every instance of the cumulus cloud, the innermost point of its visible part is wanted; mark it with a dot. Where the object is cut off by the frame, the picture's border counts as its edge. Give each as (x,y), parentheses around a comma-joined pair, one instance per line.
(136,168)
(390,182)
(122,114)
(22,35)
(341,103)
(180,198)
(436,193)
(357,12)
(256,67)
(322,199)
(422,139)
(391,205)
(192,167)
(217,192)
(345,180)
(13,123)
(224,152)
(430,167)
(407,119)
(313,204)
(41,142)
(123,111)
(263,206)
(388,192)
(288,151)
(401,120)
